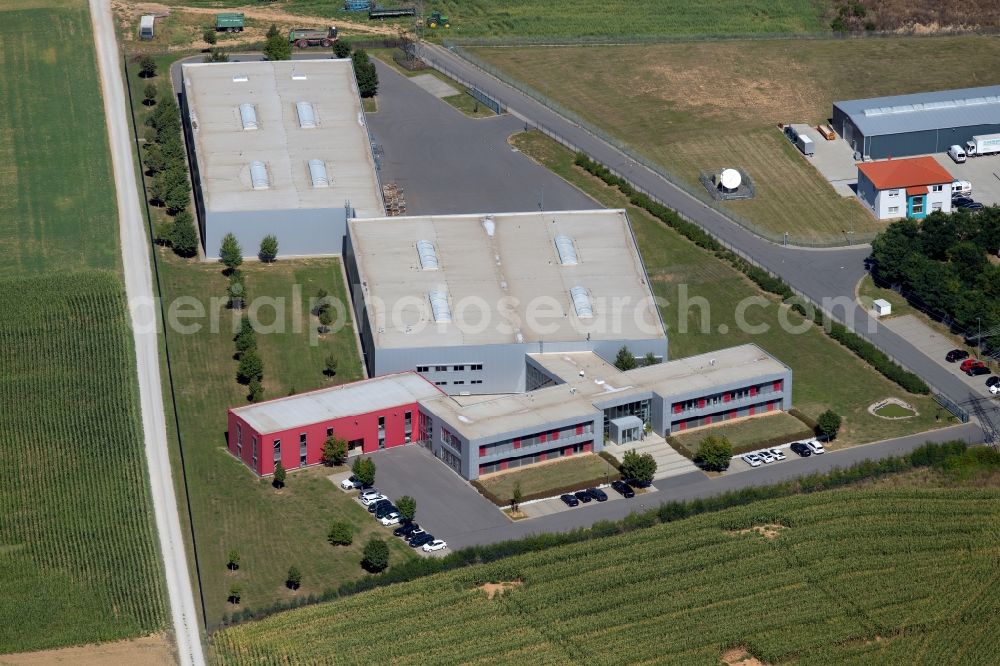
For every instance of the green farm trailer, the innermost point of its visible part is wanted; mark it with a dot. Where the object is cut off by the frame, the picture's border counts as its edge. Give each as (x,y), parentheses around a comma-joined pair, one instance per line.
(229,22)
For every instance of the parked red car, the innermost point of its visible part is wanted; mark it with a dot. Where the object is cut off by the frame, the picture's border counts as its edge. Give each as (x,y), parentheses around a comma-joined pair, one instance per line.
(977,368)
(968,363)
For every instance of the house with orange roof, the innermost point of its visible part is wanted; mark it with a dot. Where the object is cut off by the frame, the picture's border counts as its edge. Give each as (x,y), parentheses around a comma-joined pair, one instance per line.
(911,187)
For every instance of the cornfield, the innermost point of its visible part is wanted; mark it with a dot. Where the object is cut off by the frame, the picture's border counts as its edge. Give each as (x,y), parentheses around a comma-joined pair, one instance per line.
(893,575)
(77,556)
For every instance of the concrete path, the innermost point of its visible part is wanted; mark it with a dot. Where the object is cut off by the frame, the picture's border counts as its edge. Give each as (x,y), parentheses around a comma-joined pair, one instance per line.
(668,462)
(139,291)
(434,85)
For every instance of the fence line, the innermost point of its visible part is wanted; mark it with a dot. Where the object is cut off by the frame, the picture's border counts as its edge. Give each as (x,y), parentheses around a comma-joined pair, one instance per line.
(690,189)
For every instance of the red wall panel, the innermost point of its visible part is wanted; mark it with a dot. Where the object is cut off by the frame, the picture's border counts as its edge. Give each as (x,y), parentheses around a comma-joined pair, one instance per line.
(360,426)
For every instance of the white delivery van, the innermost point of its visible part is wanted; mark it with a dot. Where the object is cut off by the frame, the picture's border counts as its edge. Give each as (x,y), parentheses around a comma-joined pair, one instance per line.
(957,153)
(961,188)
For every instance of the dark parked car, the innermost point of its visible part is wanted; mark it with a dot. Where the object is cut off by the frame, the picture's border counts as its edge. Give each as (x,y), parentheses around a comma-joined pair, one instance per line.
(375,506)
(421,539)
(405,530)
(973,206)
(961,201)
(570,500)
(801,449)
(978,371)
(583,496)
(597,494)
(623,489)
(993,381)
(638,484)
(956,355)
(385,510)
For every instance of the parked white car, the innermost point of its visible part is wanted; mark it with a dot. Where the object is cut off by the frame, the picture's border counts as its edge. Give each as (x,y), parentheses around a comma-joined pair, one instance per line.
(437,544)
(777,453)
(350,483)
(815,446)
(766,457)
(957,153)
(391,519)
(752,460)
(371,496)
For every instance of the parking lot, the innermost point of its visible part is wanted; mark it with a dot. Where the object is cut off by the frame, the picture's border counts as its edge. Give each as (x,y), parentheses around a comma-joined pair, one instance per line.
(446,503)
(982,172)
(936,346)
(555,505)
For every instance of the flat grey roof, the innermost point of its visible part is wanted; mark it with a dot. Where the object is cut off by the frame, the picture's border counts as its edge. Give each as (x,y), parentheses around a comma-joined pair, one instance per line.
(924,111)
(601,384)
(224,149)
(507,266)
(337,402)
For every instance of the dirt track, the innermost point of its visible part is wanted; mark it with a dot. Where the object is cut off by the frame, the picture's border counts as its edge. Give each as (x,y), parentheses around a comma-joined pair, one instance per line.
(278,16)
(149,651)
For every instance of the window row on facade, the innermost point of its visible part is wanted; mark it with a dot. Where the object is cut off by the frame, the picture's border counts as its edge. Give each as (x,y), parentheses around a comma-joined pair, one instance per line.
(552,454)
(476,367)
(725,415)
(515,443)
(728,396)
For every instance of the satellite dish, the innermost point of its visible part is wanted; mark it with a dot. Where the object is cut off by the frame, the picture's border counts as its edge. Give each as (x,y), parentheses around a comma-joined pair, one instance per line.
(731,179)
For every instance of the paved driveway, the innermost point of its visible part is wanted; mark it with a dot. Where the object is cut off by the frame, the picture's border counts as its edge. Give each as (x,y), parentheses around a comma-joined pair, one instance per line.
(446,162)
(446,504)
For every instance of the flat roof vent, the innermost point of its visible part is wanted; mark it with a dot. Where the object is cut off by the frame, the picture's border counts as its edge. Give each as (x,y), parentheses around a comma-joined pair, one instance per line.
(440,307)
(298,76)
(248,116)
(489,225)
(317,173)
(240,78)
(307,115)
(258,175)
(581,302)
(428,255)
(567,253)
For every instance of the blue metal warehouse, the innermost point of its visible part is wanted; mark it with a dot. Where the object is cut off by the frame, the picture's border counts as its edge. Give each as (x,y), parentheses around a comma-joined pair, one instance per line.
(918,124)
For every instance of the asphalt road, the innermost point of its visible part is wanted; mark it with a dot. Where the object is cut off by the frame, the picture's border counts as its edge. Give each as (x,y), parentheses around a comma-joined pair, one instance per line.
(695,485)
(139,292)
(827,277)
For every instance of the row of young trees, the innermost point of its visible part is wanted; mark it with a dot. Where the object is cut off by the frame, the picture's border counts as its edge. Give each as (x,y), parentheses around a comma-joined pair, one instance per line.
(293,580)
(166,164)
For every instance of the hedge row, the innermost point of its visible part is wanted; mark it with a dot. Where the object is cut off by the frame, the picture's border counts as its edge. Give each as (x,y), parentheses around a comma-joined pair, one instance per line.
(551,492)
(610,459)
(810,423)
(947,456)
(775,285)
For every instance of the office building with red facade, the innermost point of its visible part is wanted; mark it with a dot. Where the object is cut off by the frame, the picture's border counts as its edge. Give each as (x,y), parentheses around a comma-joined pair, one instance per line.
(370,415)
(576,401)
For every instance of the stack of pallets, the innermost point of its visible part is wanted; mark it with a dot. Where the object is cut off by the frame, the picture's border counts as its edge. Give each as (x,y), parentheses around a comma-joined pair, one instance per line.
(395,201)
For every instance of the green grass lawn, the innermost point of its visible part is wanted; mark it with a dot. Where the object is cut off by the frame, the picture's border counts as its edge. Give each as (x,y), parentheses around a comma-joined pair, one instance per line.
(670,103)
(825,374)
(579,469)
(78,553)
(883,575)
(894,411)
(747,434)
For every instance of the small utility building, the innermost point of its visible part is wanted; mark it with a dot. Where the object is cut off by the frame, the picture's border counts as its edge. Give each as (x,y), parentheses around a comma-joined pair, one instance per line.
(910,187)
(278,148)
(918,124)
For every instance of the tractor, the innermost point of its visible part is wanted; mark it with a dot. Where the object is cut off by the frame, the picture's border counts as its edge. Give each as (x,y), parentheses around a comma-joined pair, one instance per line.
(436,20)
